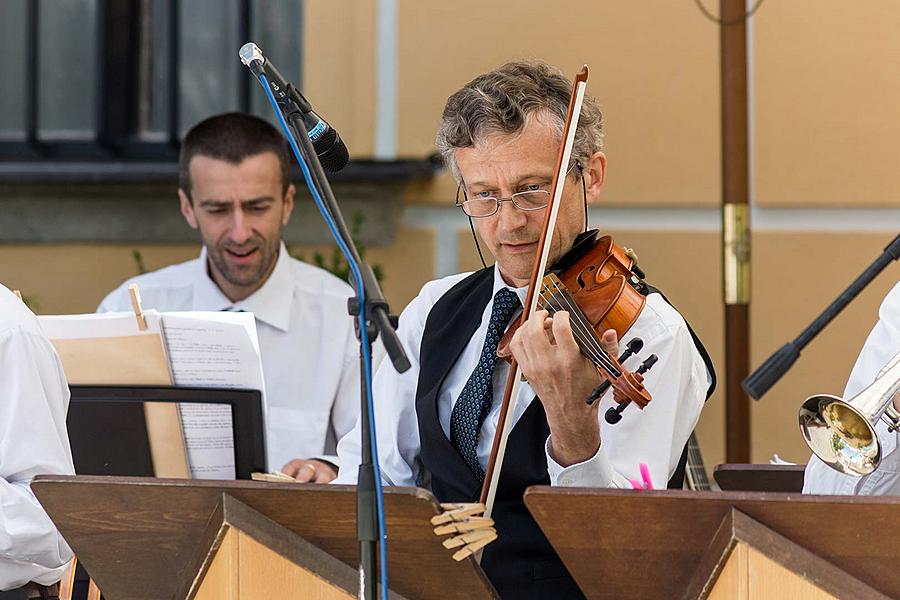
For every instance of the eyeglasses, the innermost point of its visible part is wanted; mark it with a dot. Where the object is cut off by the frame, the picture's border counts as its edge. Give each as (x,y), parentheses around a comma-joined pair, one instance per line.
(486,206)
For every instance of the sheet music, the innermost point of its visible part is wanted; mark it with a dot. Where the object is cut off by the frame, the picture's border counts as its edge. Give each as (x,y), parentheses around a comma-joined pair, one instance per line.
(212,349)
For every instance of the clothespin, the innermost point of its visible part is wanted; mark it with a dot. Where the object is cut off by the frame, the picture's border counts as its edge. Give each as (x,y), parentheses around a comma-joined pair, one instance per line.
(135,294)
(470,529)
(645,475)
(272,477)
(18,295)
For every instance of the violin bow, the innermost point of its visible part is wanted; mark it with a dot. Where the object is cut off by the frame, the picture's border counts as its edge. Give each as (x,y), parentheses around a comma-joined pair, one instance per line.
(498,448)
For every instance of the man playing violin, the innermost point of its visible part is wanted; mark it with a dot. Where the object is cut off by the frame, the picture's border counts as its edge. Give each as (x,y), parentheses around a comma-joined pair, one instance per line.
(500,136)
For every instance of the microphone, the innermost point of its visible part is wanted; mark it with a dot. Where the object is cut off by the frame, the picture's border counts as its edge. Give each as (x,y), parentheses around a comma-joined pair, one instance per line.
(329,146)
(759,381)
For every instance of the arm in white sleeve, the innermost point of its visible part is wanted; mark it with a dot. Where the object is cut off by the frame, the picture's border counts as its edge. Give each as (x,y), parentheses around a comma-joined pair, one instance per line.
(33,440)
(656,435)
(396,421)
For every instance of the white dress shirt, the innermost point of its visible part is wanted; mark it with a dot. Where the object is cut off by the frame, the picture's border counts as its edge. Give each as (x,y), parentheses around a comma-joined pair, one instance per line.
(309,350)
(880,347)
(34,397)
(656,435)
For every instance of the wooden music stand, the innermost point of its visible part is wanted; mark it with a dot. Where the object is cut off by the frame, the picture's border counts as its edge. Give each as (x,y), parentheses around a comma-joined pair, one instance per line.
(171,538)
(760,478)
(621,544)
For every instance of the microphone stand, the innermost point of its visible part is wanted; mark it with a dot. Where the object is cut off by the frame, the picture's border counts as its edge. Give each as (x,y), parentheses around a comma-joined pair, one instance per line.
(378,320)
(763,378)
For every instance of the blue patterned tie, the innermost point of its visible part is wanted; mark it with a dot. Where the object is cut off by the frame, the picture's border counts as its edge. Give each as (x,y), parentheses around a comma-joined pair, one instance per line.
(475,401)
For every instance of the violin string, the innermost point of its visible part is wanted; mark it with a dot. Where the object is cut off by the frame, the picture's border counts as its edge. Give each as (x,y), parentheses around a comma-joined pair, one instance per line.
(579,317)
(587,341)
(579,334)
(583,332)
(588,344)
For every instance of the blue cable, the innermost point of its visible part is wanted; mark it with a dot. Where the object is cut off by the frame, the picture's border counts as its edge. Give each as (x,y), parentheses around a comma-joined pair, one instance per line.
(367,362)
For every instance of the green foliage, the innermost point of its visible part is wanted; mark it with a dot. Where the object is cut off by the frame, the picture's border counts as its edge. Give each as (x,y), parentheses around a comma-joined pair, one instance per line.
(139,261)
(32,303)
(334,262)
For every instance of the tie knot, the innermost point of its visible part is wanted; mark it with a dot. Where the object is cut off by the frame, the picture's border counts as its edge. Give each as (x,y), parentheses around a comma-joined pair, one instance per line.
(506,303)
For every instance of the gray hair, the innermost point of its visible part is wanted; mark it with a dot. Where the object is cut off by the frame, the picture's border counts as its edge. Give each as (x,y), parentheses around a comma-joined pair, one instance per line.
(500,101)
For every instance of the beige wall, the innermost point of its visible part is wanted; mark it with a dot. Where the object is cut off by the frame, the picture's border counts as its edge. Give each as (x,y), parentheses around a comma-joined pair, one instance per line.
(827,112)
(825,120)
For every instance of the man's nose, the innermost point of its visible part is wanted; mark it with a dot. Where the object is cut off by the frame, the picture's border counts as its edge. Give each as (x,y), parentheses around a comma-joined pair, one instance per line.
(511,217)
(241,231)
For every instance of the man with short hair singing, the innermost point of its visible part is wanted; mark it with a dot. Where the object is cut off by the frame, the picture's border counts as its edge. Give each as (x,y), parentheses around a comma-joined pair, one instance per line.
(500,136)
(235,190)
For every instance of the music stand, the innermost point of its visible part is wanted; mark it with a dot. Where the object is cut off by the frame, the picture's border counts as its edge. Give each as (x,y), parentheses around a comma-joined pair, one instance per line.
(150,538)
(108,432)
(623,545)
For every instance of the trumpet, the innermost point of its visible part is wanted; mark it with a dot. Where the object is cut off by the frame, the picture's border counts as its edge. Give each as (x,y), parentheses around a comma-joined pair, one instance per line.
(842,433)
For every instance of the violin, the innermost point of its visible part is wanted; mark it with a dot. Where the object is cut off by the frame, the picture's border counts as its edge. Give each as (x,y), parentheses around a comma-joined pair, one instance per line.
(599,284)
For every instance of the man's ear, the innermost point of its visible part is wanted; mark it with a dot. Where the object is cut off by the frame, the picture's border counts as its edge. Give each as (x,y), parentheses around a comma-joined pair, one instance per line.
(187,209)
(288,204)
(595,176)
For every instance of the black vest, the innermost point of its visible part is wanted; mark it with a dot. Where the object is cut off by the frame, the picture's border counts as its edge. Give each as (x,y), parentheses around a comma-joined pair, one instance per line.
(520,563)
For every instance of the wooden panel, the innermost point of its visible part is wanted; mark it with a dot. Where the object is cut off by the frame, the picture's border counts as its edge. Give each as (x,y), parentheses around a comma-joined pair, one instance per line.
(767,580)
(265,575)
(826,114)
(661,108)
(99,518)
(222,579)
(675,529)
(732,583)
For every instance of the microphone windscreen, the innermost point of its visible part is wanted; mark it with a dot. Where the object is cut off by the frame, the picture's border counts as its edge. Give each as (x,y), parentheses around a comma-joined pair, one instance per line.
(332,151)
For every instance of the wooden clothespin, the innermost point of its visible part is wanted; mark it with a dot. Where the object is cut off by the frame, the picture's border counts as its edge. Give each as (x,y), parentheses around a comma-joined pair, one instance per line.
(272,477)
(18,295)
(471,530)
(135,294)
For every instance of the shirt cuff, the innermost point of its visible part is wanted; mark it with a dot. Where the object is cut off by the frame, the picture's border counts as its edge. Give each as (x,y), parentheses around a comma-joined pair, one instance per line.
(594,472)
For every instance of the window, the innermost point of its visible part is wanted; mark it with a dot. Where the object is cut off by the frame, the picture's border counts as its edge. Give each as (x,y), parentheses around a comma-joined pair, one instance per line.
(124,79)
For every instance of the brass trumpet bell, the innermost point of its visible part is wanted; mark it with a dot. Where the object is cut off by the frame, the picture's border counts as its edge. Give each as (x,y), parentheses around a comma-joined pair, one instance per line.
(840,435)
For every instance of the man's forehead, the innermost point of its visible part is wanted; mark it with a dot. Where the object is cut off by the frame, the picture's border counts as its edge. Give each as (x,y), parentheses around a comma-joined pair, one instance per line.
(526,154)
(264,164)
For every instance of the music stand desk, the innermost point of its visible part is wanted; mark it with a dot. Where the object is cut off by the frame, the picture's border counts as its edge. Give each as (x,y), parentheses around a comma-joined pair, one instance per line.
(138,537)
(623,544)
(760,477)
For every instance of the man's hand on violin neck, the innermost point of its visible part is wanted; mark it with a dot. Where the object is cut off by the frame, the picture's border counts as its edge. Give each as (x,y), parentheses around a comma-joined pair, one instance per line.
(562,378)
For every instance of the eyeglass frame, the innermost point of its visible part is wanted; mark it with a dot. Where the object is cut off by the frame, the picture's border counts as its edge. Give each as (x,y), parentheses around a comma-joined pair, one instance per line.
(511,198)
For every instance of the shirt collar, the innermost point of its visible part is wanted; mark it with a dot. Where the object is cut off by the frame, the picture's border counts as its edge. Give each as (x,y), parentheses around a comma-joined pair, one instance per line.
(271,303)
(521,292)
